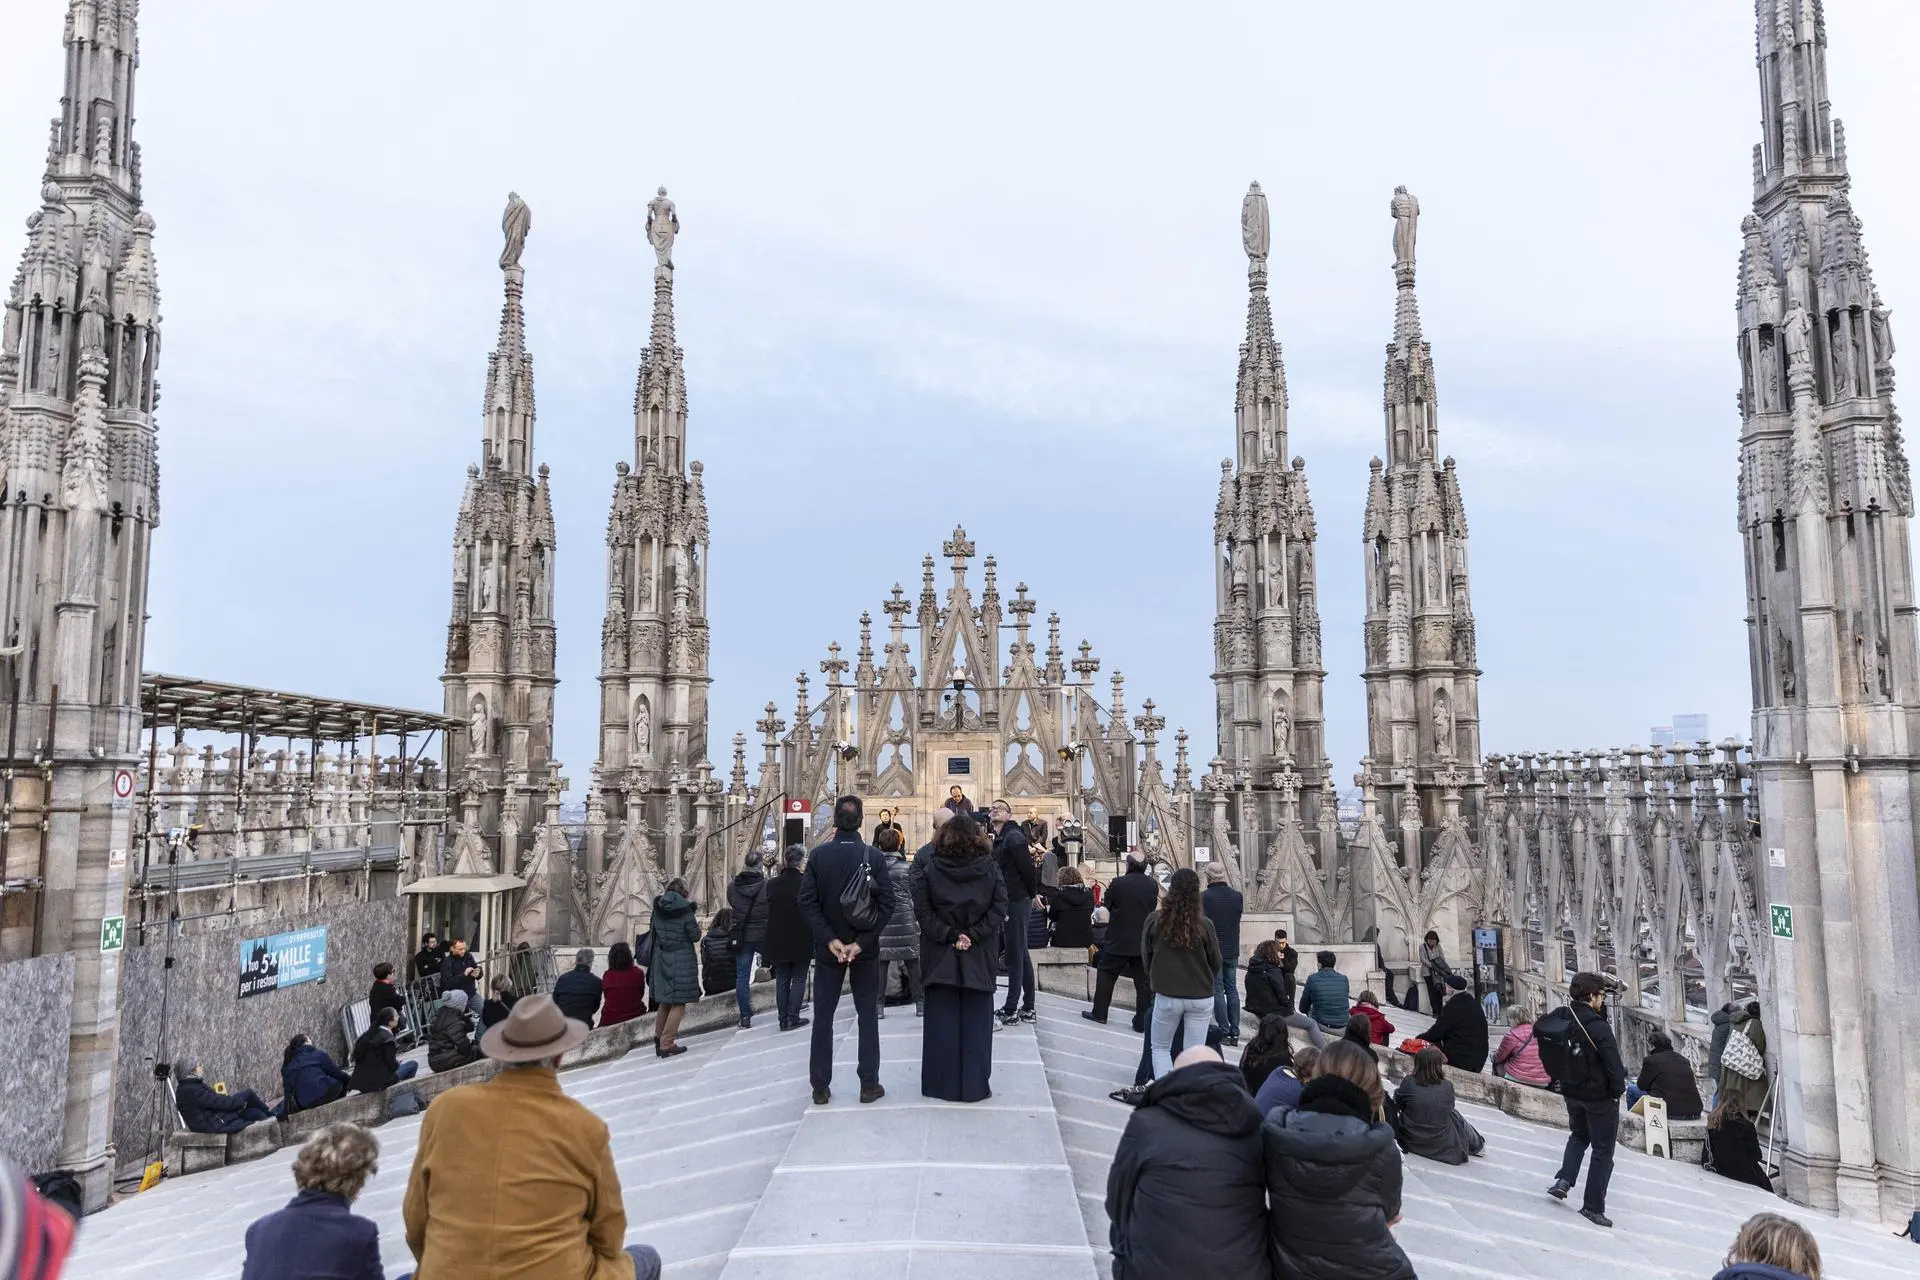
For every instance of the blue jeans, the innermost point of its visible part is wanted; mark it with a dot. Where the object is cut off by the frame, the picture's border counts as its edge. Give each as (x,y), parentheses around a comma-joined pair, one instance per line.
(646,1263)
(1633,1094)
(1226,998)
(743,980)
(408,1070)
(1192,1016)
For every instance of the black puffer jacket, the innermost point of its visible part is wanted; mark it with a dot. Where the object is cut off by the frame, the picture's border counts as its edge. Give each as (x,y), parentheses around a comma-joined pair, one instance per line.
(1266,988)
(450,1040)
(1668,1076)
(1070,907)
(952,896)
(1334,1179)
(718,972)
(747,898)
(1186,1195)
(900,936)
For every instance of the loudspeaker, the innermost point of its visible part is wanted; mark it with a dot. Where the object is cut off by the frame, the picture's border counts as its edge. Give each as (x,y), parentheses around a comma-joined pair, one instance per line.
(1116,834)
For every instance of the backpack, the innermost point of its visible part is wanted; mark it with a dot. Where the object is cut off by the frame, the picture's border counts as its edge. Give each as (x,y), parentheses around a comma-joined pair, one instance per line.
(1742,1057)
(862,914)
(404,1102)
(1566,1050)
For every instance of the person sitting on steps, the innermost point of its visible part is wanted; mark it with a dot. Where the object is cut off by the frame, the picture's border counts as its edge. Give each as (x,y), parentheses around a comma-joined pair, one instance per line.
(1428,1120)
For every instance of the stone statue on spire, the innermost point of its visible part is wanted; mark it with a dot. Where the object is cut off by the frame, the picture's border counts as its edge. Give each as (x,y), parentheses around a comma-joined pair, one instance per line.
(1406,223)
(514,223)
(663,224)
(1253,223)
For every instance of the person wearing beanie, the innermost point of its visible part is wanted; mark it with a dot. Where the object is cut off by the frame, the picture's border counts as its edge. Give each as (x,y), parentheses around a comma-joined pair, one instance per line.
(1460,1031)
(450,1036)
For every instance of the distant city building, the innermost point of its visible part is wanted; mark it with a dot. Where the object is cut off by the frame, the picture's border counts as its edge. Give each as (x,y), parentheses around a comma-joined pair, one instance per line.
(1691,727)
(1661,735)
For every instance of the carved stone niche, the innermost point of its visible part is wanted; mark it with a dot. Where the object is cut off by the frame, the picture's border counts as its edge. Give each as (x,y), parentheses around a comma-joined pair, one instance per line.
(1433,641)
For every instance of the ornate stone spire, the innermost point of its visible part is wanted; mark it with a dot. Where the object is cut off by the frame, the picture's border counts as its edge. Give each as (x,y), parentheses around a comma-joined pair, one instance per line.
(1267,670)
(654,702)
(499,677)
(1825,500)
(1422,683)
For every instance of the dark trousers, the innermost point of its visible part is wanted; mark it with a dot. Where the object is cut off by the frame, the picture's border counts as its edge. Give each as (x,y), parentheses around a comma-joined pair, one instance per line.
(910,969)
(956,1049)
(256,1110)
(1013,950)
(1436,995)
(1144,1075)
(1597,1125)
(789,984)
(864,977)
(1110,968)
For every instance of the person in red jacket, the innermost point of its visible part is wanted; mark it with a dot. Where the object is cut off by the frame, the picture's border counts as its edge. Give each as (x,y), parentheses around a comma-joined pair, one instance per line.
(1369,1005)
(623,986)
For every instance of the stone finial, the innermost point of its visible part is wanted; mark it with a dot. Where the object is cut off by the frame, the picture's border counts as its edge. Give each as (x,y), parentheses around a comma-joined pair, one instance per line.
(515,223)
(1086,664)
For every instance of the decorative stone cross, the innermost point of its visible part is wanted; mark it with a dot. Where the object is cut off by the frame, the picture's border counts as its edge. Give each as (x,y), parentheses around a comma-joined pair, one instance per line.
(771,725)
(1149,726)
(1086,664)
(833,665)
(1287,782)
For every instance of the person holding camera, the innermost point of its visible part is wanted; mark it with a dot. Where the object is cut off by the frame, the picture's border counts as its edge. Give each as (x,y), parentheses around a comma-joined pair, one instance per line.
(1586,1064)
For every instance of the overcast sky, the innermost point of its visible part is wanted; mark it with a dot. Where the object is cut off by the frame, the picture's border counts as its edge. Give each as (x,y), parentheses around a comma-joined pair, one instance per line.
(983,269)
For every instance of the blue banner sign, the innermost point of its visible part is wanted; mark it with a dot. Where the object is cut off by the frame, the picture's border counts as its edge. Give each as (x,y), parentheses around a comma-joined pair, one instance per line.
(282,960)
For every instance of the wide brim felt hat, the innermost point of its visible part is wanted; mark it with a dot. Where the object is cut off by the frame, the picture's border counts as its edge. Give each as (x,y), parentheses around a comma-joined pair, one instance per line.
(532,1030)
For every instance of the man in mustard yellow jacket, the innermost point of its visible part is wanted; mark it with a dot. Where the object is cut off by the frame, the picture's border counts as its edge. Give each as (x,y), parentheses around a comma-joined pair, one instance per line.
(514,1180)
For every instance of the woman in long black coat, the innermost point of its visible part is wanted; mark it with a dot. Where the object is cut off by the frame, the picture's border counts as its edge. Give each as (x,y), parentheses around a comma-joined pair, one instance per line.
(960,902)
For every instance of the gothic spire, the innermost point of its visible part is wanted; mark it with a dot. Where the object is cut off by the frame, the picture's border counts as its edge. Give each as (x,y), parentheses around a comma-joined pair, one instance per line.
(91,139)
(1408,394)
(508,407)
(660,395)
(1799,136)
(1260,396)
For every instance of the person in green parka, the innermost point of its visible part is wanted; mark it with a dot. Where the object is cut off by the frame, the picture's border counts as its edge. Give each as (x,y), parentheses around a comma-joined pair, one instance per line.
(675,975)
(1745,1021)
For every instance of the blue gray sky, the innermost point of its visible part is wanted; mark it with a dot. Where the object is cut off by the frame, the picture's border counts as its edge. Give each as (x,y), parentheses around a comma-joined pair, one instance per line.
(981,268)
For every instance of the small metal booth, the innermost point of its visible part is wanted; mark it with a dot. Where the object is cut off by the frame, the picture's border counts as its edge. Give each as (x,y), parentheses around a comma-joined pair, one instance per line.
(476,908)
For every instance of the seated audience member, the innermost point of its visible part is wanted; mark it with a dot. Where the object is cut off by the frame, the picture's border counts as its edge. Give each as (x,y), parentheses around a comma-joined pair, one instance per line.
(1772,1247)
(577,991)
(376,1057)
(1265,989)
(1359,1031)
(1070,909)
(204,1110)
(316,1234)
(1667,1076)
(623,987)
(1268,1049)
(1518,1057)
(1281,1089)
(309,1076)
(514,1178)
(450,1035)
(1099,926)
(1429,1122)
(1380,1028)
(1186,1195)
(1460,1032)
(383,994)
(1324,996)
(1333,1175)
(500,998)
(1733,1144)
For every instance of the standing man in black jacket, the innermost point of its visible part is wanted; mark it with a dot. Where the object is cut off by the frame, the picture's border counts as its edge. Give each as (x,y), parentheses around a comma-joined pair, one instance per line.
(844,954)
(1223,904)
(1593,1104)
(1130,899)
(458,971)
(1014,856)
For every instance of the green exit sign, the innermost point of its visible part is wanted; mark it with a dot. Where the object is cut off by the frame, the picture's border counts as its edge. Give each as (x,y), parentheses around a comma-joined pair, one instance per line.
(113,933)
(1780,918)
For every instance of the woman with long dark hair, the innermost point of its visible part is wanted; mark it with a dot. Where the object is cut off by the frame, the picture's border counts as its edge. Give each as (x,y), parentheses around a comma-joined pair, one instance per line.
(623,986)
(309,1077)
(1182,956)
(1268,1051)
(960,902)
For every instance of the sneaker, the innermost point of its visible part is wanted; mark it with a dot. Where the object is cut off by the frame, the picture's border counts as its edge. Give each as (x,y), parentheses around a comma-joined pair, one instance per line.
(1027,1015)
(821,1097)
(1596,1217)
(746,1022)
(1231,1039)
(1132,1095)
(1007,1017)
(1559,1188)
(1091,1016)
(800,1022)
(872,1092)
